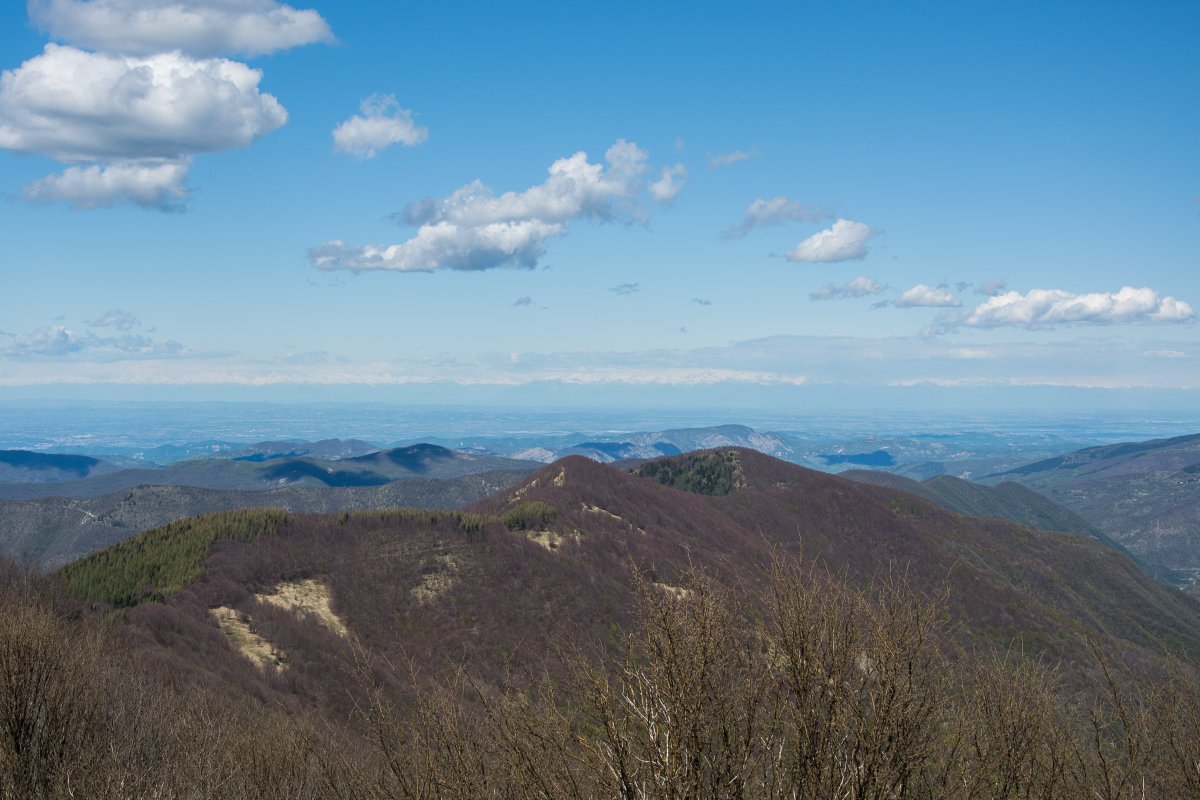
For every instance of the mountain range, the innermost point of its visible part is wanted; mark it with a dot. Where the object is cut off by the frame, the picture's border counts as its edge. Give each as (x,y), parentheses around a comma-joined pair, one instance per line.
(1143,495)
(23,466)
(270,602)
(51,531)
(257,472)
(660,443)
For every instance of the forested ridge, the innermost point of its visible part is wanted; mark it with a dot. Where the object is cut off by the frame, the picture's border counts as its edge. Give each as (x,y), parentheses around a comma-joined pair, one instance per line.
(593,633)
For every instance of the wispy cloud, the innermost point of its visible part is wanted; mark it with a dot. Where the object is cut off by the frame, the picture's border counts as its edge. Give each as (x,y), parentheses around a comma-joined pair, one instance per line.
(845,361)
(720,160)
(993,287)
(624,288)
(473,229)
(670,184)
(121,320)
(58,341)
(701,301)
(523,301)
(380,123)
(844,241)
(861,286)
(763,212)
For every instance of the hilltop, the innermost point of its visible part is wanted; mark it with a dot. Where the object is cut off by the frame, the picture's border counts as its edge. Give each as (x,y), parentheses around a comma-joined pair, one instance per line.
(52,531)
(546,563)
(24,466)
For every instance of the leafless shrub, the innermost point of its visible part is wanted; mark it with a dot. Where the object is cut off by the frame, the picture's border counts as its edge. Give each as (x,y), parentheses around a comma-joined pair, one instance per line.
(814,689)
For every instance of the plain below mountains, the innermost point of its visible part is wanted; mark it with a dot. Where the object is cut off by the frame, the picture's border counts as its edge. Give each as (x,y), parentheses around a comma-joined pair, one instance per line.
(656,444)
(1144,495)
(278,605)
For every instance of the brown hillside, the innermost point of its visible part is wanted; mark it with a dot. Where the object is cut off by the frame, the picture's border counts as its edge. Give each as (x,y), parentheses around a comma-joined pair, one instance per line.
(547,564)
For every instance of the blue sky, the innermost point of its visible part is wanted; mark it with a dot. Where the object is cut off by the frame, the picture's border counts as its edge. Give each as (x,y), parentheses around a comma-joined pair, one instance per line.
(243,198)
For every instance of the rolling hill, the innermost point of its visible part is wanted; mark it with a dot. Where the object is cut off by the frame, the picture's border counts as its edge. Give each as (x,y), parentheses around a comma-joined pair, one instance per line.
(328,449)
(52,531)
(1144,495)
(373,469)
(1007,500)
(25,466)
(265,600)
(646,445)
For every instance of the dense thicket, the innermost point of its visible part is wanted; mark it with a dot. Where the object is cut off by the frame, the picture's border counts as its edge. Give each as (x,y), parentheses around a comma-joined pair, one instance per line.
(815,689)
(160,562)
(711,472)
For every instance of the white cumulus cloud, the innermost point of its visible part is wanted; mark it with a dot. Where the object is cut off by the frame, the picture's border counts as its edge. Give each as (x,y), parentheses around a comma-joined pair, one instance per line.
(73,105)
(1040,308)
(844,241)
(196,27)
(773,211)
(150,184)
(138,90)
(861,286)
(380,124)
(670,184)
(142,118)
(925,296)
(474,229)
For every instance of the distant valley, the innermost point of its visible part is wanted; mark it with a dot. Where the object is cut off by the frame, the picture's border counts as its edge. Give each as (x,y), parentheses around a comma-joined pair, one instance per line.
(1144,495)
(1140,498)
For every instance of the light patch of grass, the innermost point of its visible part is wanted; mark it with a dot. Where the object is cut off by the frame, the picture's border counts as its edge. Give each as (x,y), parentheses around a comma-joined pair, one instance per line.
(592,509)
(524,490)
(236,627)
(561,478)
(437,581)
(603,511)
(306,597)
(552,540)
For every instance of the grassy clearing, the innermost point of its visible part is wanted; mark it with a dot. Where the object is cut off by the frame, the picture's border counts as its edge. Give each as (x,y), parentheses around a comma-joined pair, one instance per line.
(438,580)
(306,597)
(236,627)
